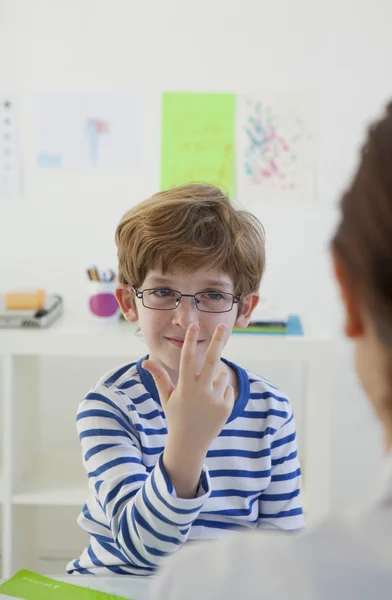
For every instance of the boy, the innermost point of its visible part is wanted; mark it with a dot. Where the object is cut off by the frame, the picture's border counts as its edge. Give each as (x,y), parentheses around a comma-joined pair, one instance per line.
(184,444)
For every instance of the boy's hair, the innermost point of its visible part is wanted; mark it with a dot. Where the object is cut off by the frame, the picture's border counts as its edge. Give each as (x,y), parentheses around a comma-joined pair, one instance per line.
(190,227)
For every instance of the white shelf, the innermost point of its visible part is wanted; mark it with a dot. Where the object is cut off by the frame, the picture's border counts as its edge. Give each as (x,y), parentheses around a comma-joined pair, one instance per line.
(75,335)
(58,481)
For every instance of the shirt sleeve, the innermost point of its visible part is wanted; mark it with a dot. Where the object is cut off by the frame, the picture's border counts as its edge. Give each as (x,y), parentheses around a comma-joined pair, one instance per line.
(146,519)
(280,506)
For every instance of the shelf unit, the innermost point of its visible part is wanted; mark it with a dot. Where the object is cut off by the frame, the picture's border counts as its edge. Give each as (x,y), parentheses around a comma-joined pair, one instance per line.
(29,478)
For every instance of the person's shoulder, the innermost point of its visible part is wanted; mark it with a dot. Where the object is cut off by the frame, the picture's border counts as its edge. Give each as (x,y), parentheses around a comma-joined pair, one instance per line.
(329,558)
(247,565)
(267,393)
(121,377)
(257,383)
(115,387)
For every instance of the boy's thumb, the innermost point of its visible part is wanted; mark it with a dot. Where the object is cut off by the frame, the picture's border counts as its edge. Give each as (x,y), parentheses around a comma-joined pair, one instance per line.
(161,378)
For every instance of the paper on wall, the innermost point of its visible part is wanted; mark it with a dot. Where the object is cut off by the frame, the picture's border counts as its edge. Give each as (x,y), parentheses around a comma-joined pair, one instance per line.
(275,148)
(10,150)
(88,130)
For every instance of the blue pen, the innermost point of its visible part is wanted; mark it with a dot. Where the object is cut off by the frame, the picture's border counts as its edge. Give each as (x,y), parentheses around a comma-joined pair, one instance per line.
(110,275)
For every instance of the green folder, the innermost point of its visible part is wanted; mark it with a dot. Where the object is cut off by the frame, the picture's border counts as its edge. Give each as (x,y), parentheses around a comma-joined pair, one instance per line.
(32,586)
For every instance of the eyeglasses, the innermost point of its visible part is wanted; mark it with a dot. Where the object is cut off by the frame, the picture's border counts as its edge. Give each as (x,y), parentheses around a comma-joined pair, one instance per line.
(167,299)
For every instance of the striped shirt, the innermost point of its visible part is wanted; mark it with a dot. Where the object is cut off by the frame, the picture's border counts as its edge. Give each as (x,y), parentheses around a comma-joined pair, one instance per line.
(251,477)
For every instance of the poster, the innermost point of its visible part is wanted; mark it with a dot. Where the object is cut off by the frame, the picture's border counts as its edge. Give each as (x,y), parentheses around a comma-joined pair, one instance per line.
(88,131)
(275,148)
(198,139)
(10,147)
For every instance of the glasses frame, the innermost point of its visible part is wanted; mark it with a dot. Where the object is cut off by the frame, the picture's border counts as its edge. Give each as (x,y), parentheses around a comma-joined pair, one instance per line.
(140,294)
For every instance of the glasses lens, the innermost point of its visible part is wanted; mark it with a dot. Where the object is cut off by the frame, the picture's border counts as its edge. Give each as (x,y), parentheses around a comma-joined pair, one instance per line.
(160,298)
(214,301)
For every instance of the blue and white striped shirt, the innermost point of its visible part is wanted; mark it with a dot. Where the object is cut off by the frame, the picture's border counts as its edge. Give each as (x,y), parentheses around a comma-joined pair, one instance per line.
(251,477)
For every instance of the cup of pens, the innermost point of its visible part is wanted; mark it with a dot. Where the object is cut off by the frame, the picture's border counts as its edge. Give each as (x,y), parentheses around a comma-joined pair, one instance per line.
(102,303)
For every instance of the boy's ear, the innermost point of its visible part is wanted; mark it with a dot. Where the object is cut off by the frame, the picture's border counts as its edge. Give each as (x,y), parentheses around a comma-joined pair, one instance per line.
(248,304)
(126,302)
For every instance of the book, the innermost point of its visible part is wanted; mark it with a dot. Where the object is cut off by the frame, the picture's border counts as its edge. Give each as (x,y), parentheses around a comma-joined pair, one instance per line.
(269,313)
(292,327)
(29,585)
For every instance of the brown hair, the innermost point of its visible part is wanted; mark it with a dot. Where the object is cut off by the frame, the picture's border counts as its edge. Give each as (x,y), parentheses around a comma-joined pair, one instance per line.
(190,227)
(364,237)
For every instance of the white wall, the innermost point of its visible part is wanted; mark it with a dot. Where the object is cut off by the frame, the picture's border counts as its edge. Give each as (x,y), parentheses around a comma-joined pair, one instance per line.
(66,219)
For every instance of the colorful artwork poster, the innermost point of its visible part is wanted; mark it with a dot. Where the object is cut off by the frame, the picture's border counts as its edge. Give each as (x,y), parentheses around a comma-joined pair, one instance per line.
(275,147)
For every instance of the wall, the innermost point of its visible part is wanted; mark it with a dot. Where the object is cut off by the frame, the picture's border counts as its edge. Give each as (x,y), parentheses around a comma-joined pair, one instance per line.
(66,219)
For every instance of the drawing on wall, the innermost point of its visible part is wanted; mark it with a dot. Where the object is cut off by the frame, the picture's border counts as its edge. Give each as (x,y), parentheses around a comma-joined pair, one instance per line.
(10,147)
(95,128)
(198,139)
(89,130)
(275,154)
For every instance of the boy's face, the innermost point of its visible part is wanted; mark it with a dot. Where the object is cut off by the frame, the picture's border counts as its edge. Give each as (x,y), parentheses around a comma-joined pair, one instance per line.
(164,330)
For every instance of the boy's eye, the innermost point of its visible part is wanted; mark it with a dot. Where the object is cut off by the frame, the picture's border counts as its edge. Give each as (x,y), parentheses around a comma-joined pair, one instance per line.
(214,295)
(162,293)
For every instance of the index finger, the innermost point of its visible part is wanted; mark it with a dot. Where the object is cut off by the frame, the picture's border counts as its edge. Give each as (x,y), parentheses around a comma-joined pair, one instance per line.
(188,352)
(213,355)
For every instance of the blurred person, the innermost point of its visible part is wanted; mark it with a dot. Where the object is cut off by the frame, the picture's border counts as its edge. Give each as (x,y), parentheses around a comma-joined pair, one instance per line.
(342,558)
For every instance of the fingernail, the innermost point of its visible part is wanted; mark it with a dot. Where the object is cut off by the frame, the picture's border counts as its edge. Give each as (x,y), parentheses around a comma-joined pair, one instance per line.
(223,327)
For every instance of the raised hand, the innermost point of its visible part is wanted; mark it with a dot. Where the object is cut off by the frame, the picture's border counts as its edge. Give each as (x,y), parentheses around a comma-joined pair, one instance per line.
(196,409)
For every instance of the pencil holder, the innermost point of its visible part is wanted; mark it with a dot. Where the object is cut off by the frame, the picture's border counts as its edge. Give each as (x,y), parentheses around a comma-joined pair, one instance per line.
(102,302)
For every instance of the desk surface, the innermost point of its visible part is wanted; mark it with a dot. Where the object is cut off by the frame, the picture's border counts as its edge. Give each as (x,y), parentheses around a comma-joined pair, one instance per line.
(73,335)
(126,586)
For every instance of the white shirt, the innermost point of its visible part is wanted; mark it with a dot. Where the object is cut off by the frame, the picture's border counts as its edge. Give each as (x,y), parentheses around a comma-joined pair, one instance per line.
(338,560)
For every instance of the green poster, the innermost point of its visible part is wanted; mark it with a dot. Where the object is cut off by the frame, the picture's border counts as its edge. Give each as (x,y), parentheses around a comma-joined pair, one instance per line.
(198,139)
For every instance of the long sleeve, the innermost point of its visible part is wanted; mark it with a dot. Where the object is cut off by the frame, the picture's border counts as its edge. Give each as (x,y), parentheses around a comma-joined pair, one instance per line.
(280,505)
(146,519)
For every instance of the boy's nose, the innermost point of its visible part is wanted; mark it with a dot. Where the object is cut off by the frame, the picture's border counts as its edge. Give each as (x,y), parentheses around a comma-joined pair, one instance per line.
(185,313)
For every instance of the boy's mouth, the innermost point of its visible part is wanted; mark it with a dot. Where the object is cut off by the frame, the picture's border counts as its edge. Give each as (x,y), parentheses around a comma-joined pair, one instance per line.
(179,342)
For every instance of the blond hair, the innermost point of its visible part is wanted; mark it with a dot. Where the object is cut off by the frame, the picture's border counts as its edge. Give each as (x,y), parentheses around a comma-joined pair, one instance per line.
(190,227)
